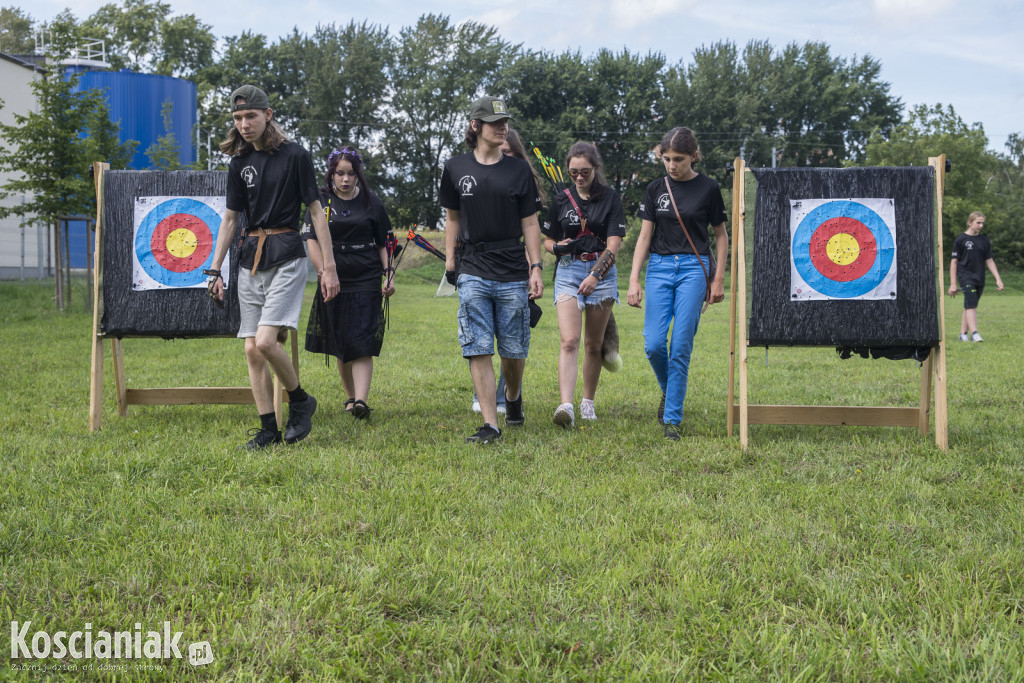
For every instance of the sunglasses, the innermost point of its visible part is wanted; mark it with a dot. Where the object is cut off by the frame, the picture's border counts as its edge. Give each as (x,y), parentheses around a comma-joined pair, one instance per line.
(581,172)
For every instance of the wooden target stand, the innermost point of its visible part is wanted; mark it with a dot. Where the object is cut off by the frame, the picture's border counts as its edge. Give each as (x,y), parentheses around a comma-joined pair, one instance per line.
(933,370)
(152,396)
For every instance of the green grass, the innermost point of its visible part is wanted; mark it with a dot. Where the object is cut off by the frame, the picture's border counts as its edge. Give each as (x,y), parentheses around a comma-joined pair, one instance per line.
(392,550)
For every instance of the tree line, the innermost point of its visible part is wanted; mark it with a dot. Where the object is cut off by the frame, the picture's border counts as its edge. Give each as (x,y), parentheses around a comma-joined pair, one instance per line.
(402,97)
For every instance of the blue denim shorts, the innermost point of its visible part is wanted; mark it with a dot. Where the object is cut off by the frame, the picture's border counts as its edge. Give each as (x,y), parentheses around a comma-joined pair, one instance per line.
(569,277)
(490,310)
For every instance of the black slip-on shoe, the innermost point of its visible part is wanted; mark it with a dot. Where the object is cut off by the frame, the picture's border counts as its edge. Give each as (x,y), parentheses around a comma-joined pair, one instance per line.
(300,420)
(261,438)
(486,434)
(661,410)
(514,415)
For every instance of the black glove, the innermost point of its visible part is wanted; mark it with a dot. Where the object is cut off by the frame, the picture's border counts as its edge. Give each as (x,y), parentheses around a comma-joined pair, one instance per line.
(535,313)
(452,276)
(586,244)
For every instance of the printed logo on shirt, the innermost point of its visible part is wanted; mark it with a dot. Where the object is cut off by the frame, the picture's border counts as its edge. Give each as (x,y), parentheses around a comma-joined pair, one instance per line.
(969,245)
(664,202)
(466,184)
(306,229)
(249,176)
(572,217)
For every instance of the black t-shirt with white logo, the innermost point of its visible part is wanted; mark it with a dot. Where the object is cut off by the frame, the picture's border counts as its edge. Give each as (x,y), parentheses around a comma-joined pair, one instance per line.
(605,216)
(971,252)
(492,200)
(270,189)
(358,233)
(700,205)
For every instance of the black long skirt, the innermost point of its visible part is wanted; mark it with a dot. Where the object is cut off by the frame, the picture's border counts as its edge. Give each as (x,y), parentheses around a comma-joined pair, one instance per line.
(349,326)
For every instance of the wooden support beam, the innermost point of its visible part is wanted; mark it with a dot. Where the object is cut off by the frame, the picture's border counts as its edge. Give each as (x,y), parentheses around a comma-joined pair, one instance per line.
(862,416)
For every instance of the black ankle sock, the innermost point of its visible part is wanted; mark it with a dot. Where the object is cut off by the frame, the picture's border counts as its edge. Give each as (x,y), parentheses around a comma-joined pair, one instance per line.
(297,394)
(269,422)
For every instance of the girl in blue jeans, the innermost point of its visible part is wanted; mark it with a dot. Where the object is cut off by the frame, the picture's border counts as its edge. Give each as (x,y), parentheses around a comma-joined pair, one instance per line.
(681,275)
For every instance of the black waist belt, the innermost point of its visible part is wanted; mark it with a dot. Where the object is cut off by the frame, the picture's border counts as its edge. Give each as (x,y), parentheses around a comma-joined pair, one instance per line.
(470,247)
(353,246)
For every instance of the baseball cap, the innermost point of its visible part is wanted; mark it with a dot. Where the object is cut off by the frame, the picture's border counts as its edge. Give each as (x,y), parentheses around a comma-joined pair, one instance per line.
(489,109)
(253,96)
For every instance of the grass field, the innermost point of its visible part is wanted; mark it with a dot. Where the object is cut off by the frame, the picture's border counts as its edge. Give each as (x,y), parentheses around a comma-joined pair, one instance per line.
(391,550)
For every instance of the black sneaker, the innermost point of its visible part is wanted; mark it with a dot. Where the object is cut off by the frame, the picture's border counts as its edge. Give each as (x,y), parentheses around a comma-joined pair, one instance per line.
(514,415)
(661,410)
(261,438)
(300,420)
(672,432)
(485,434)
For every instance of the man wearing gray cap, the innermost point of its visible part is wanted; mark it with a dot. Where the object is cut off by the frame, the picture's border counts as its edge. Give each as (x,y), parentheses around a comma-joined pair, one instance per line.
(269,179)
(491,202)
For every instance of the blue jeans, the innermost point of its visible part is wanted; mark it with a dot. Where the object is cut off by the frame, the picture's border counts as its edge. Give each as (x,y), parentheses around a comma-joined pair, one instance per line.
(489,310)
(674,294)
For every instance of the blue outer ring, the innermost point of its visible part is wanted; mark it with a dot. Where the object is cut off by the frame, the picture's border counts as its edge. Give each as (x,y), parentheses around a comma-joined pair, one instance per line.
(816,279)
(144,238)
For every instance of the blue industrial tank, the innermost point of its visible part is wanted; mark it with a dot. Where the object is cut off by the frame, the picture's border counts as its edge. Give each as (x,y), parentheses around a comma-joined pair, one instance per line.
(136,101)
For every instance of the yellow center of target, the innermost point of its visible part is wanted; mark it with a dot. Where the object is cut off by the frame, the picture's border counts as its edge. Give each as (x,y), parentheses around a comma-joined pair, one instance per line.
(842,249)
(182,242)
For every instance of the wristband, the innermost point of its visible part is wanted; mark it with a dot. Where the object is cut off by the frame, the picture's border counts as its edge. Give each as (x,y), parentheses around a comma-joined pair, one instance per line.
(539,265)
(211,271)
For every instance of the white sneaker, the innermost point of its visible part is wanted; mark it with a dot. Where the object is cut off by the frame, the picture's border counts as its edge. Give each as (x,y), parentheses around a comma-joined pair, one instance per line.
(476,406)
(964,337)
(587,410)
(975,337)
(501,409)
(564,416)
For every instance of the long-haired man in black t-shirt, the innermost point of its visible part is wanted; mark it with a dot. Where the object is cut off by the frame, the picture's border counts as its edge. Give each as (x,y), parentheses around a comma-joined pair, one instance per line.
(269,179)
(491,203)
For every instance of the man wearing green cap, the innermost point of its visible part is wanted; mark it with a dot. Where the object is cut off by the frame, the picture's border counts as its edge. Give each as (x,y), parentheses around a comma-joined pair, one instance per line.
(269,179)
(492,202)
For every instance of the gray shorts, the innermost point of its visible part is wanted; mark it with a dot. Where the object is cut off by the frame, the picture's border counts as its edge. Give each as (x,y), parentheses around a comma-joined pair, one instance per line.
(272,297)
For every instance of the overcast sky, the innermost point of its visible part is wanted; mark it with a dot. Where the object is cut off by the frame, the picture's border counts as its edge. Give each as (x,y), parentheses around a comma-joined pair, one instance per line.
(967,53)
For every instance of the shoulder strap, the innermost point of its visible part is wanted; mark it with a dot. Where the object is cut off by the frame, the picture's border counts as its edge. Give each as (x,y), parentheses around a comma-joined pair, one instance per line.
(707,277)
(584,230)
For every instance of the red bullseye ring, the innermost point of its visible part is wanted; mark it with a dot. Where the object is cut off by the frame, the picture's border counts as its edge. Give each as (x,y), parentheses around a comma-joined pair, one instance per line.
(855,229)
(190,223)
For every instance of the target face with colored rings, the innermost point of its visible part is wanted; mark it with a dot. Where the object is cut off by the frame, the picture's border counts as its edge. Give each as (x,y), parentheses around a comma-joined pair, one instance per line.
(174,241)
(842,249)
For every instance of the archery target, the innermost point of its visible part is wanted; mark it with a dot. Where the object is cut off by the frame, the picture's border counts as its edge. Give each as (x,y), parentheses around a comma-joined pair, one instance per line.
(174,241)
(842,249)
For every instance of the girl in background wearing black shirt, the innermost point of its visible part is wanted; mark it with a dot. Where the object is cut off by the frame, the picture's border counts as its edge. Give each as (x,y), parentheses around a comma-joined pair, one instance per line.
(350,326)
(675,284)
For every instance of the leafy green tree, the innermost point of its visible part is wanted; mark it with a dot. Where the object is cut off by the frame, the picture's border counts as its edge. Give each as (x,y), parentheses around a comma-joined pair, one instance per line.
(824,107)
(801,103)
(142,36)
(438,70)
(716,97)
(335,87)
(244,60)
(611,99)
(164,154)
(16,31)
(933,131)
(49,151)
